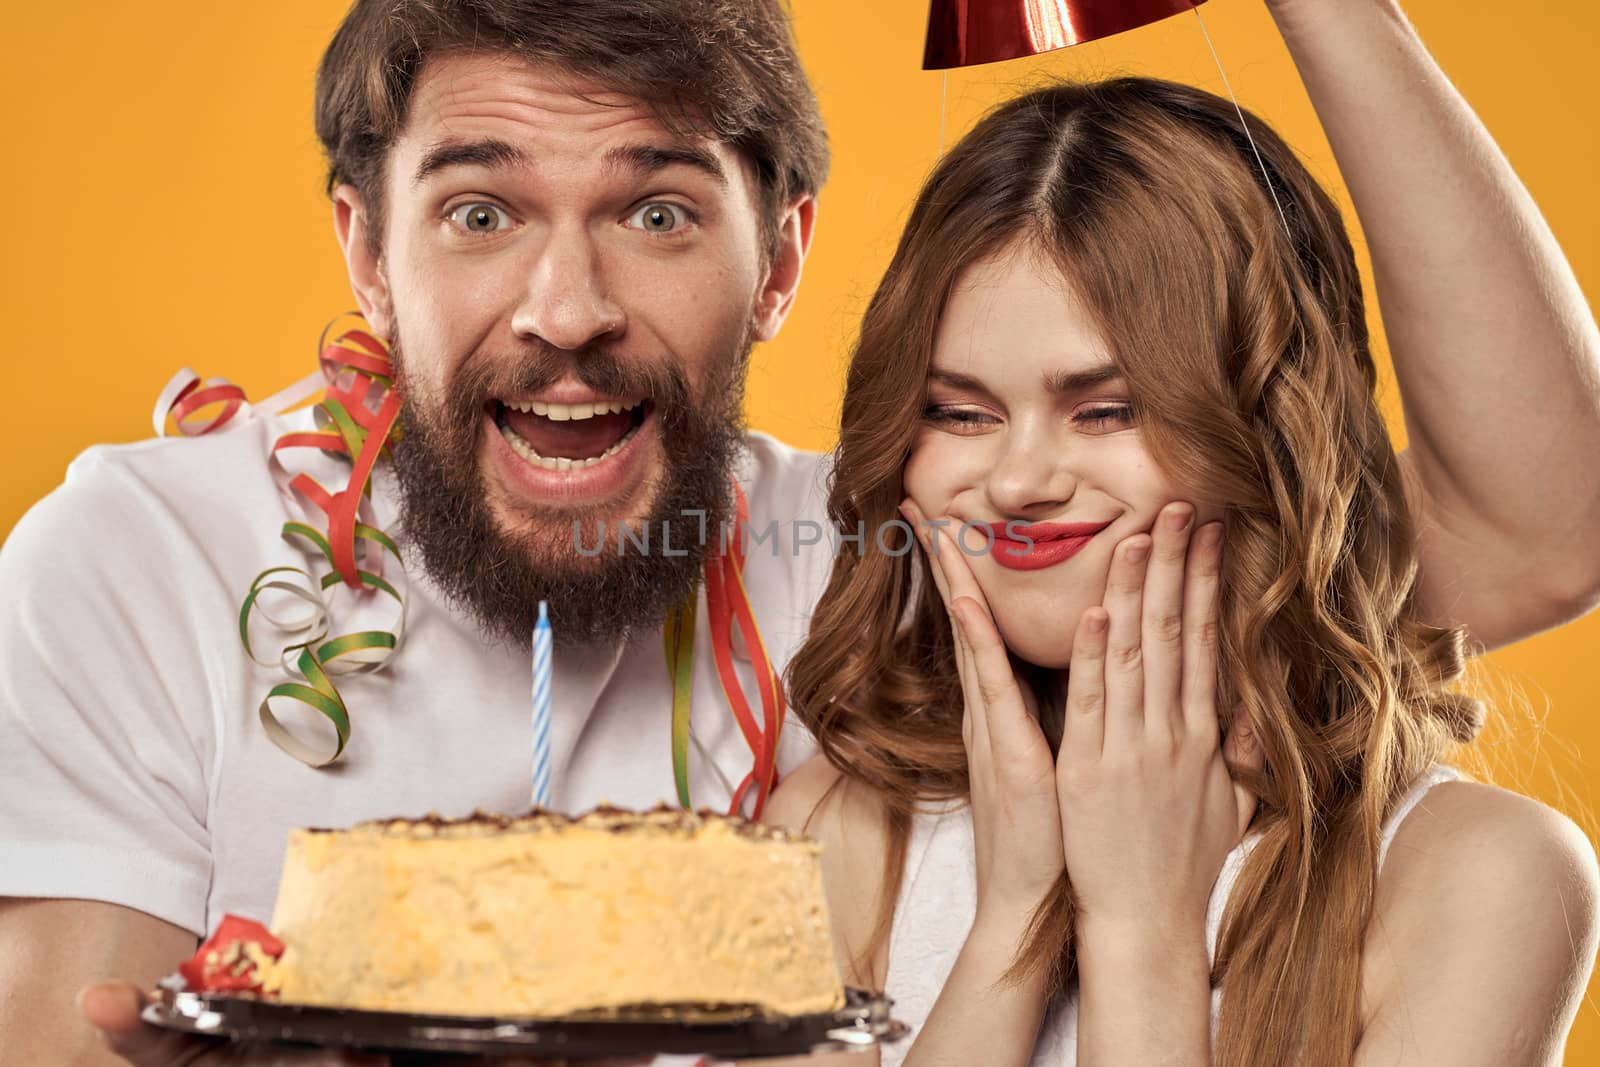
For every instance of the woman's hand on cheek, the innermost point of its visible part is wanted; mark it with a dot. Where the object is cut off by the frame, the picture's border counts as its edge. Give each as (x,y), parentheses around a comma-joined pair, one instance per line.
(1016,820)
(1148,809)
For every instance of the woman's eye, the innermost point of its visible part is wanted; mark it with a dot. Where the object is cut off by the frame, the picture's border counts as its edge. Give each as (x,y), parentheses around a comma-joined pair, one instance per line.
(480,218)
(660,218)
(956,418)
(1105,416)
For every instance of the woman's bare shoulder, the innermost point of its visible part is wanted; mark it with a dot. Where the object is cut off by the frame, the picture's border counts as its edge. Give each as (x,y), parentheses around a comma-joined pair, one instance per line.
(1484,927)
(845,816)
(820,801)
(1474,833)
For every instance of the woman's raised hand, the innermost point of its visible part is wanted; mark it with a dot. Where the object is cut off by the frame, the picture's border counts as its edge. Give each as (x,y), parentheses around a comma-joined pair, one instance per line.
(1016,821)
(1148,809)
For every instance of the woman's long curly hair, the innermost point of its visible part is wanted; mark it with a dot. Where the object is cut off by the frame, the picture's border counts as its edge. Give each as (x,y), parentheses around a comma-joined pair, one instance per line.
(1242,336)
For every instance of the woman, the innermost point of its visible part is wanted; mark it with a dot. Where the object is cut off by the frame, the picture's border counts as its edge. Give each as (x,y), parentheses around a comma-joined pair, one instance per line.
(1126,337)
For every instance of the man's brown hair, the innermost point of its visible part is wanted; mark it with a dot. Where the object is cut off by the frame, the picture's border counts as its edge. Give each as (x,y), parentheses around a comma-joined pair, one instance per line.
(724,68)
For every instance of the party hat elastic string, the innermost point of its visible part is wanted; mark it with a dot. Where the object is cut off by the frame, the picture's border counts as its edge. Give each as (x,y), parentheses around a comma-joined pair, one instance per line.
(1271,189)
(944,95)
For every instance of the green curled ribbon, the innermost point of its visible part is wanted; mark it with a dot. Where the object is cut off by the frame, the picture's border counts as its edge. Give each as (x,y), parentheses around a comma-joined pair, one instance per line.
(355,418)
(317,657)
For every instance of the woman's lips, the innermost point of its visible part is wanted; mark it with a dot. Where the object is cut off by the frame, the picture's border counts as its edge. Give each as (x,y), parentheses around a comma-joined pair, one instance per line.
(1033,546)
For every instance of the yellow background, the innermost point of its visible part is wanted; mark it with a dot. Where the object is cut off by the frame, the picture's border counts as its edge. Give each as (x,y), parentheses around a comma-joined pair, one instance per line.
(163,208)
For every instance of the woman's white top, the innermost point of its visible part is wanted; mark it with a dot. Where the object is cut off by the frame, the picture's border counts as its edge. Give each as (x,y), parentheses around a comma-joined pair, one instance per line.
(938,901)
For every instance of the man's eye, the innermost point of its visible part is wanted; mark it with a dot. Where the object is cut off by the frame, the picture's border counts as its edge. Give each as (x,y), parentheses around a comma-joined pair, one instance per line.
(659,218)
(480,218)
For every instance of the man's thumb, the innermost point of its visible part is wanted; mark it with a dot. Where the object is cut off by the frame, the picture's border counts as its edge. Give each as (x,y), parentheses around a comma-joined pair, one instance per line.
(113,1008)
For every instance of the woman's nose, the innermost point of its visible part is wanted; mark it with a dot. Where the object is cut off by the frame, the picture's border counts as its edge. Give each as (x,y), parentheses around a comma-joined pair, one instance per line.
(1030,478)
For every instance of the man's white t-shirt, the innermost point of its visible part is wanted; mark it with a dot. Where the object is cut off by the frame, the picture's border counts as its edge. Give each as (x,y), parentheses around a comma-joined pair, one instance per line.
(133,765)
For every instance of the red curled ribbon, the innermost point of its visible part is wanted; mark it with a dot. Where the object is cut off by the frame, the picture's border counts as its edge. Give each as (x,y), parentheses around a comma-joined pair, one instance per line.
(727,606)
(354,419)
(186,394)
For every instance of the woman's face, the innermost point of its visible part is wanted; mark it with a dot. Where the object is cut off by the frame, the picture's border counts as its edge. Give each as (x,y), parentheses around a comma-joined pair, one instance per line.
(1027,421)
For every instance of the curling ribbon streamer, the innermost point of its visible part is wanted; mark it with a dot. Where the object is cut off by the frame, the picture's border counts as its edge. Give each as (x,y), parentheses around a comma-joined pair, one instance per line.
(186,394)
(678,637)
(727,606)
(355,419)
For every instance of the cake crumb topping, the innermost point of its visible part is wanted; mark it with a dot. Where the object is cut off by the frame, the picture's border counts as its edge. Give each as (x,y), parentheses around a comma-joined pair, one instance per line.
(662,819)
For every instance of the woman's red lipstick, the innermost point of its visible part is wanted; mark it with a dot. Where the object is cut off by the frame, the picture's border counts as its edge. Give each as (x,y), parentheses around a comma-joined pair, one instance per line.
(1032,546)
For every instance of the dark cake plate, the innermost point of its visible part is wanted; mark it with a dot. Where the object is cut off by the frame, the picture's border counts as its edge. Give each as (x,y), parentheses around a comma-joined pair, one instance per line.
(731,1032)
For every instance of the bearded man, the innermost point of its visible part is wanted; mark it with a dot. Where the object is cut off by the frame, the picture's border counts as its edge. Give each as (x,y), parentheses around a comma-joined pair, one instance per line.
(570,223)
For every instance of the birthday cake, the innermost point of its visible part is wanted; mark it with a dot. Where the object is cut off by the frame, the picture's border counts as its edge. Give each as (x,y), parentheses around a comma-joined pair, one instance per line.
(546,915)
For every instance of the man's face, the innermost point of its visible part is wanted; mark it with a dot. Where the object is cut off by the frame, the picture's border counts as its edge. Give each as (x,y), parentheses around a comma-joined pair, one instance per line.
(571,291)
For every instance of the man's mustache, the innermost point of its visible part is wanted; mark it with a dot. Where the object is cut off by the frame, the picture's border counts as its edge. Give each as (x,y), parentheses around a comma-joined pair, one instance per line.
(491,376)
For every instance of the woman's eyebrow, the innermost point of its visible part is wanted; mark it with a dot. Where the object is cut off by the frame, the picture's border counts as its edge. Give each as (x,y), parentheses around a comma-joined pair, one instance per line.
(1054,381)
(957,381)
(1079,380)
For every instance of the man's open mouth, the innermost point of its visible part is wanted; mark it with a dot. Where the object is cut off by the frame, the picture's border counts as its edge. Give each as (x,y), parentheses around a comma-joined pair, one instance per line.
(562,437)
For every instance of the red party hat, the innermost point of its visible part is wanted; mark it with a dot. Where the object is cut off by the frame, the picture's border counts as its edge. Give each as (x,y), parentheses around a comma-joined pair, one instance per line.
(964,32)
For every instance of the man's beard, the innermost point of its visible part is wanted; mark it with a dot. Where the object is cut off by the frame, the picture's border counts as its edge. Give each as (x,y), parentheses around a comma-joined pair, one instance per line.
(498,576)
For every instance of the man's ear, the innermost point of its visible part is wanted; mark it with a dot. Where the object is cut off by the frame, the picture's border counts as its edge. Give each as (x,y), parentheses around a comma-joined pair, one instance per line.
(350,225)
(783,276)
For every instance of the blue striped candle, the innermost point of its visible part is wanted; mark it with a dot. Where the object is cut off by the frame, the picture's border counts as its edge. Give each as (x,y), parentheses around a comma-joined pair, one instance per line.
(541,709)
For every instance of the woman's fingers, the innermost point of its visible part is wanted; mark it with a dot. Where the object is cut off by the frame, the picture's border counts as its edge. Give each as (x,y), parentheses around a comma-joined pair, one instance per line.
(920,530)
(956,572)
(1011,733)
(975,728)
(988,683)
(945,557)
(1201,593)
(1083,732)
(935,554)
(1124,659)
(1162,622)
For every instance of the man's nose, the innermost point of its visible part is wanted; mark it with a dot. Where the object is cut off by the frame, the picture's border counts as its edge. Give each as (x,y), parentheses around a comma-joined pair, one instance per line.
(567,304)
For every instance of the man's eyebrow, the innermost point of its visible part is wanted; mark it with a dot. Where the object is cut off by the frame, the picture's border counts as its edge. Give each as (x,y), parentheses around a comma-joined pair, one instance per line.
(489,152)
(501,155)
(1054,381)
(648,158)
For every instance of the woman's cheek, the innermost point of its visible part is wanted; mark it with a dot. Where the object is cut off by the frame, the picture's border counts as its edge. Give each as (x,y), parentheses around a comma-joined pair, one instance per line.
(943,466)
(925,474)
